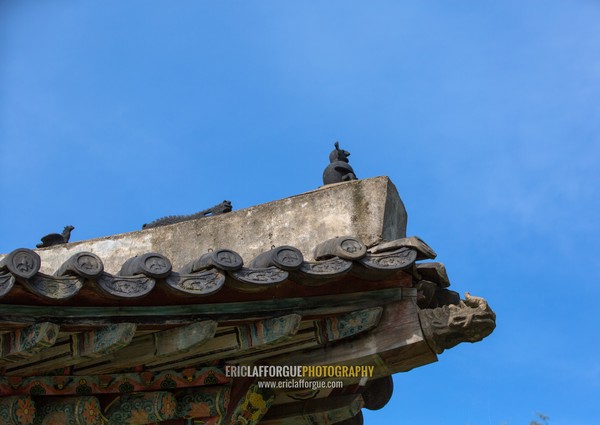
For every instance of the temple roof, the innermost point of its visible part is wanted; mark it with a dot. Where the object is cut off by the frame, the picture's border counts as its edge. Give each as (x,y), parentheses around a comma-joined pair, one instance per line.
(324,278)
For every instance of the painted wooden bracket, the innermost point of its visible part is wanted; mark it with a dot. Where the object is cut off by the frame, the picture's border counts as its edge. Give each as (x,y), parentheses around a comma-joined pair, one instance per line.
(335,328)
(253,405)
(24,343)
(159,346)
(80,347)
(234,342)
(314,334)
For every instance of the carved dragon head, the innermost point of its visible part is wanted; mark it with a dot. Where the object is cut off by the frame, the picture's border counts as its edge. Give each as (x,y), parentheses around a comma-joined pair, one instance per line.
(469,321)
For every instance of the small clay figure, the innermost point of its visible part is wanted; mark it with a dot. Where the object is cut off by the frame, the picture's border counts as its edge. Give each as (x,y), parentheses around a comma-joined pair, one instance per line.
(222,208)
(56,238)
(338,170)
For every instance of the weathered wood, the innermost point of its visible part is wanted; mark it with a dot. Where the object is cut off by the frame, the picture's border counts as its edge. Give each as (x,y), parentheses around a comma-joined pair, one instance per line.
(120,383)
(68,411)
(347,248)
(425,292)
(76,349)
(434,272)
(159,346)
(17,410)
(270,331)
(314,333)
(242,339)
(252,406)
(160,315)
(24,343)
(99,343)
(141,408)
(397,344)
(328,410)
(335,328)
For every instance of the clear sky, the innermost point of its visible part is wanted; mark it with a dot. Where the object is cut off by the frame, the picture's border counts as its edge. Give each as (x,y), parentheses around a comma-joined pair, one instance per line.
(486,116)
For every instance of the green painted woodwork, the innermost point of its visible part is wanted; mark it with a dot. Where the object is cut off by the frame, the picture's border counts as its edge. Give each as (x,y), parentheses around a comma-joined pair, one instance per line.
(270,331)
(318,305)
(343,326)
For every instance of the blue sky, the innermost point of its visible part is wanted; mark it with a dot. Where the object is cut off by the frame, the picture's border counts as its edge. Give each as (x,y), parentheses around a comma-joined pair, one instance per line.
(486,115)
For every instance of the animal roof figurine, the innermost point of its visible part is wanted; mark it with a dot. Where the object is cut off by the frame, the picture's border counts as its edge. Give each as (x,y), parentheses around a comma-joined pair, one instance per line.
(56,238)
(338,170)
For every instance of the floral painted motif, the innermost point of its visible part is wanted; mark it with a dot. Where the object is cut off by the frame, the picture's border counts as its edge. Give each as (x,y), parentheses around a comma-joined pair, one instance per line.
(25,411)
(167,410)
(91,412)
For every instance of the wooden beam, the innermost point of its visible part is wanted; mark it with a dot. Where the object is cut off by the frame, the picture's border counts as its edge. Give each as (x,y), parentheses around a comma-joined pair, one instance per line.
(315,333)
(141,408)
(185,314)
(335,328)
(24,343)
(239,340)
(65,385)
(329,410)
(75,349)
(397,344)
(69,411)
(159,346)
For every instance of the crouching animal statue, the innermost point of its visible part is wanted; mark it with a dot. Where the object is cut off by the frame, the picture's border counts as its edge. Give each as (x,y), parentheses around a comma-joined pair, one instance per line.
(469,321)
